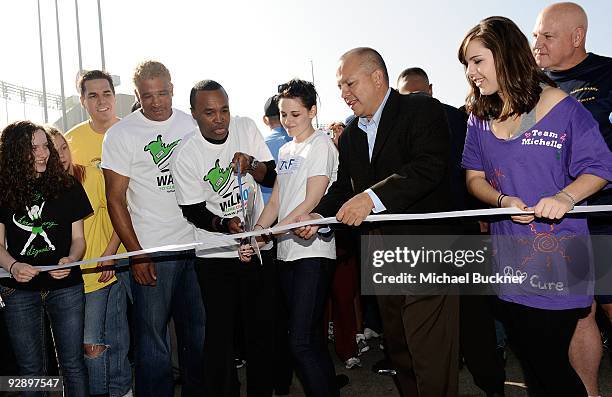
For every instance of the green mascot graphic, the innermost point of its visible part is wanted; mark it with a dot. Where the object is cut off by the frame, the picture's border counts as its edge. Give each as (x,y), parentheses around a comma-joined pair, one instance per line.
(35,227)
(160,151)
(218,177)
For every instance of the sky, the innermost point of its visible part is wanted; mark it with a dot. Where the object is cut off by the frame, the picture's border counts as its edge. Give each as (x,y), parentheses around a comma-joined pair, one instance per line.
(251,46)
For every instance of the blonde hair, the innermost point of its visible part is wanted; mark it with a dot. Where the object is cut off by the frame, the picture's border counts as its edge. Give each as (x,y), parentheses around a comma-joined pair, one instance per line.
(148,70)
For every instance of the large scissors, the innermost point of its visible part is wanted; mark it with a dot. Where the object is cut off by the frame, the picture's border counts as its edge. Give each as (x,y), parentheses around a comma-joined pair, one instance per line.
(247,212)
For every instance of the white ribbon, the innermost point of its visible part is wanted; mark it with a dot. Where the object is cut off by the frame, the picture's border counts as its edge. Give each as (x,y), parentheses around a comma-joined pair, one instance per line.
(322,221)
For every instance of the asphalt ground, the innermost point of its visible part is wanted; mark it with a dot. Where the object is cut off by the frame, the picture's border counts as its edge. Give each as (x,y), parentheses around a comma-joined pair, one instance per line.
(364,382)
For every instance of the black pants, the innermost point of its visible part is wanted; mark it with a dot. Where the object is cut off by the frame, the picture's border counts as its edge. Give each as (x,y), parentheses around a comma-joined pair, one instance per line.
(306,284)
(231,288)
(283,360)
(478,342)
(540,339)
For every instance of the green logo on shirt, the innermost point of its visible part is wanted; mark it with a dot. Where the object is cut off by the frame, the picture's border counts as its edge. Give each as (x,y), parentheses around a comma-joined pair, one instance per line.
(34,224)
(161,152)
(218,177)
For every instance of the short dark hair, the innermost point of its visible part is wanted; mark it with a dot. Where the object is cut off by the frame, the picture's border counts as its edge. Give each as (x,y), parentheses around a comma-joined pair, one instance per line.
(370,59)
(302,89)
(518,75)
(414,72)
(95,75)
(271,107)
(203,85)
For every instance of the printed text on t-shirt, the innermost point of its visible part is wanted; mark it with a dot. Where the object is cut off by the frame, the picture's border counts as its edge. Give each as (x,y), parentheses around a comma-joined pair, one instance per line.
(544,138)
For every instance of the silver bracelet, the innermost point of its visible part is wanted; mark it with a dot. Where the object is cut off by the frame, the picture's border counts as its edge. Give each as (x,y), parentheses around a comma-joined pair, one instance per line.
(569,196)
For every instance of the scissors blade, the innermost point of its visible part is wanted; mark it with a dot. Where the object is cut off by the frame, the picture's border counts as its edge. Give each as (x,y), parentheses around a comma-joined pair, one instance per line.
(246,219)
(250,209)
(241,191)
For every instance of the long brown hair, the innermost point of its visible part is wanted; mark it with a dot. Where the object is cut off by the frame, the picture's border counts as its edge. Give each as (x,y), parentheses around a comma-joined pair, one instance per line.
(518,75)
(76,170)
(18,178)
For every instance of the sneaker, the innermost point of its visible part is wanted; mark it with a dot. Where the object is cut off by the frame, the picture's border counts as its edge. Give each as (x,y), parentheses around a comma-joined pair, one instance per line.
(384,367)
(370,333)
(362,345)
(352,363)
(239,363)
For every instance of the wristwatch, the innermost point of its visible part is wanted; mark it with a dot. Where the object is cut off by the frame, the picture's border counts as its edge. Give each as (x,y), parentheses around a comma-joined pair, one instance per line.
(254,164)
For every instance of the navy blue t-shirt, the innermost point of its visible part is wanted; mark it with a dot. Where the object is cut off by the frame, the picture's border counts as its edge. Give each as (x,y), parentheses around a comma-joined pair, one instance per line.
(590,82)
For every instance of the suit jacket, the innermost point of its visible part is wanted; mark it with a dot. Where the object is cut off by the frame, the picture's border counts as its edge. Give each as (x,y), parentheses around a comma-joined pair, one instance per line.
(409,166)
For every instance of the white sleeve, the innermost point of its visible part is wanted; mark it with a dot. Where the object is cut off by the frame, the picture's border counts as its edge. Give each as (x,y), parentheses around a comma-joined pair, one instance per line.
(260,150)
(322,159)
(187,183)
(116,152)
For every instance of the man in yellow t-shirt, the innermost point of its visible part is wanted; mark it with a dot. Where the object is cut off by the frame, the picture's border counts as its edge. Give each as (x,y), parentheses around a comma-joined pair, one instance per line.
(98,98)
(87,143)
(106,334)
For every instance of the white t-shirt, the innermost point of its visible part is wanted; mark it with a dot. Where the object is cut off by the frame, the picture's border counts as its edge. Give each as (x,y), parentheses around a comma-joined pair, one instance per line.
(296,163)
(202,172)
(141,149)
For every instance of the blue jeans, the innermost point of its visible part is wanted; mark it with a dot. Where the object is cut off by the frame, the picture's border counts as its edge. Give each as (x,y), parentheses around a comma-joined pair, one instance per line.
(176,295)
(106,324)
(306,284)
(24,318)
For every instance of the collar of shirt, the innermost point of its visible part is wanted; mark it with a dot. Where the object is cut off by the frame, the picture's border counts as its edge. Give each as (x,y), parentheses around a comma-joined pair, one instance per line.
(370,127)
(279,130)
(277,133)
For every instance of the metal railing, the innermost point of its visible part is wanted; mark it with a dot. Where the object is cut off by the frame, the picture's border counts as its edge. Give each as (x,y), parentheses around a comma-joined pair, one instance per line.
(16,93)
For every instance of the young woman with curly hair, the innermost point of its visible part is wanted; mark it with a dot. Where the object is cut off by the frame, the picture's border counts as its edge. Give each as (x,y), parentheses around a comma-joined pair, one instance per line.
(41,219)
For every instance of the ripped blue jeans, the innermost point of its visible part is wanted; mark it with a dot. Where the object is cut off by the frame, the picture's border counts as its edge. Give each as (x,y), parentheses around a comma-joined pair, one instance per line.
(106,325)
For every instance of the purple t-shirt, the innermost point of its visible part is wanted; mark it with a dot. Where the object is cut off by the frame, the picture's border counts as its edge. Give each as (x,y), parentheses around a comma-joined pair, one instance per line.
(553,259)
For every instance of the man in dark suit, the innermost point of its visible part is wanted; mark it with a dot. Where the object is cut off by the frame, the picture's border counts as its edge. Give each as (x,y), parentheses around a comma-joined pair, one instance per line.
(394,159)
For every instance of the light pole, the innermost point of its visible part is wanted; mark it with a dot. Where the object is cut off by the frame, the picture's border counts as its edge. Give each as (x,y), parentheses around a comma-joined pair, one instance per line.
(61,69)
(78,31)
(101,36)
(42,68)
(313,81)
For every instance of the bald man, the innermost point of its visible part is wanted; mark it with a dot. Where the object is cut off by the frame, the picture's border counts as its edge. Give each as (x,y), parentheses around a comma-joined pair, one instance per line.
(393,159)
(559,38)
